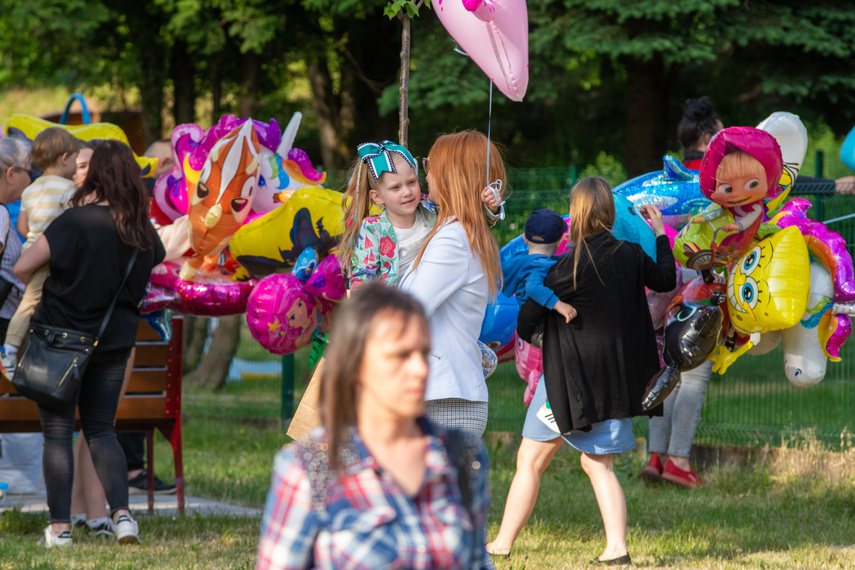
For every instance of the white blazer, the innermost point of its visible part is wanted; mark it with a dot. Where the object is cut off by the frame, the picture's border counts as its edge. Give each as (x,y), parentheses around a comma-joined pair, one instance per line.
(451,284)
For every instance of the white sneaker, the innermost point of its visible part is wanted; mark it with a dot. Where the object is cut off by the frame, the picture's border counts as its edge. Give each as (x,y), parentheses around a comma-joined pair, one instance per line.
(9,363)
(50,539)
(127,531)
(105,529)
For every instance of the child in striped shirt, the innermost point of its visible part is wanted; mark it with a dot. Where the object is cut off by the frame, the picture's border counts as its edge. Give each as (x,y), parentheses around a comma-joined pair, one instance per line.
(54,151)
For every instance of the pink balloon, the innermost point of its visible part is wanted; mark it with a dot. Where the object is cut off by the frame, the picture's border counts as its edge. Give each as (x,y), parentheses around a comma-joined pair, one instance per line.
(170,190)
(212,298)
(282,316)
(156,298)
(210,295)
(494,33)
(327,281)
(825,244)
(529,362)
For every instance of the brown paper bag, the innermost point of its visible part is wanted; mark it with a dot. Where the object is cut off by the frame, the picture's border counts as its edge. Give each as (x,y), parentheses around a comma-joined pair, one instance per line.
(308,416)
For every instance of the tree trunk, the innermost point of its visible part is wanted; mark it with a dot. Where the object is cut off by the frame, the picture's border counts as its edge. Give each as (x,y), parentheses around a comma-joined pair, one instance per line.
(195,335)
(216,94)
(152,96)
(250,68)
(214,368)
(646,116)
(326,109)
(184,105)
(152,53)
(403,114)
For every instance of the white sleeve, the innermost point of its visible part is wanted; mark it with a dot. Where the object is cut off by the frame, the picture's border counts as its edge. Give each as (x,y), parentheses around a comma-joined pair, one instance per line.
(5,226)
(442,270)
(175,237)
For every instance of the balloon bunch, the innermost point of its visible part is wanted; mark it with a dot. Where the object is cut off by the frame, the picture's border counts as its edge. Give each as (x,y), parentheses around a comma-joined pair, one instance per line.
(283,169)
(787,279)
(254,209)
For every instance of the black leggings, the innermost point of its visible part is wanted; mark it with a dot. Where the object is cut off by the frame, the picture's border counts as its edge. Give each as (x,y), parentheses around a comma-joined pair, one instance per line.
(97,401)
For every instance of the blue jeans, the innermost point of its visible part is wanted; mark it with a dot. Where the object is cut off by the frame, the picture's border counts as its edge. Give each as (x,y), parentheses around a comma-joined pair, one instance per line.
(97,401)
(672,434)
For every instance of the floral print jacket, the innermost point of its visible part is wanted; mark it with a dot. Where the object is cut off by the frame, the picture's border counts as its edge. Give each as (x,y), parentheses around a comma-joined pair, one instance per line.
(376,253)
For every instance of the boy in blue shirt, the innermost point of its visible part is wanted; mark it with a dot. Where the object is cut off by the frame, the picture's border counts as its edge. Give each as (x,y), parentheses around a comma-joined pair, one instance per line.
(524,272)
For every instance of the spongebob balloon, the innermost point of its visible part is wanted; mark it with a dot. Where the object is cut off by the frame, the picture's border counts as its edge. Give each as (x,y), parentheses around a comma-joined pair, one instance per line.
(768,289)
(221,199)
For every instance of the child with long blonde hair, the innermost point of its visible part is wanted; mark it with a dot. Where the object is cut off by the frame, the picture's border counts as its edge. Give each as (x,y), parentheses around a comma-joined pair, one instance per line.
(384,246)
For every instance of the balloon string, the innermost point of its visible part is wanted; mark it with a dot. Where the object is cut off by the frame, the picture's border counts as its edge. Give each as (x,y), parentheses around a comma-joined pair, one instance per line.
(489,122)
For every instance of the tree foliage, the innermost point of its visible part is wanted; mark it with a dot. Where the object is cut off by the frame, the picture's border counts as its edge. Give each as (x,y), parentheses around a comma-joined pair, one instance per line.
(605,75)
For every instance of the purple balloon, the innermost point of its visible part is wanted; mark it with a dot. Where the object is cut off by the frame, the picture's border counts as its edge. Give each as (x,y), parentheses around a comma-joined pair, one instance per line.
(823,243)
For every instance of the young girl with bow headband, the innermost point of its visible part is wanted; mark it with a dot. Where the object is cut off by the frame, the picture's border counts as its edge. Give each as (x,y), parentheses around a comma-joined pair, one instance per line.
(384,246)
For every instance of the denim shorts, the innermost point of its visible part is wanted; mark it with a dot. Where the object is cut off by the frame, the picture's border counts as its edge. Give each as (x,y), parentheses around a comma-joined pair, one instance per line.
(609,436)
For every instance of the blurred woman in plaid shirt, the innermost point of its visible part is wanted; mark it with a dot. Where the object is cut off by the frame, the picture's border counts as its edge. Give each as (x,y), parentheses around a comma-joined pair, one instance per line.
(378,485)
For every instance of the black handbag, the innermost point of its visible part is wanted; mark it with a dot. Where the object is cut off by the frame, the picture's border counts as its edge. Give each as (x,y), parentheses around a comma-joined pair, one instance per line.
(53,359)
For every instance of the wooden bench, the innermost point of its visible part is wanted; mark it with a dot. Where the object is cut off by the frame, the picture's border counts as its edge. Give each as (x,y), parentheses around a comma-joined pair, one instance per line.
(152,401)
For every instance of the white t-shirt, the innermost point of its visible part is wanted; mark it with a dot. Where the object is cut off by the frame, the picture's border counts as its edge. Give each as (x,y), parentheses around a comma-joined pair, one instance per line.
(410,241)
(11,252)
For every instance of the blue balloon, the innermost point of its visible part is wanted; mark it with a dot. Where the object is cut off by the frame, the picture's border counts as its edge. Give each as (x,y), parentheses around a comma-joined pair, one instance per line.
(847,151)
(500,321)
(306,263)
(630,225)
(675,190)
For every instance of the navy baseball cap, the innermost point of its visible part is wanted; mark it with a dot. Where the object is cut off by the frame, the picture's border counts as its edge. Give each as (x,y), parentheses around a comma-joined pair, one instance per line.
(544,226)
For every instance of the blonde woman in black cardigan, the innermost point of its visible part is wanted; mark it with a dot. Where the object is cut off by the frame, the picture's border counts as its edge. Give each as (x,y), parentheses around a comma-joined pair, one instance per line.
(596,366)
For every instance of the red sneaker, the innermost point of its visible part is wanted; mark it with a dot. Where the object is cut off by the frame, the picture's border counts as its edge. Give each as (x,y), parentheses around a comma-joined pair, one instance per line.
(676,475)
(653,470)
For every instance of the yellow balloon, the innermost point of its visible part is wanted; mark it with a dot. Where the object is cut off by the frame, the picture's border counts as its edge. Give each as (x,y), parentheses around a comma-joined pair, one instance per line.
(768,287)
(31,126)
(271,243)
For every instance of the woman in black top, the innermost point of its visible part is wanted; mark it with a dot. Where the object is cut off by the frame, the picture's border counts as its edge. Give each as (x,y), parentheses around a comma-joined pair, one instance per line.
(596,367)
(89,248)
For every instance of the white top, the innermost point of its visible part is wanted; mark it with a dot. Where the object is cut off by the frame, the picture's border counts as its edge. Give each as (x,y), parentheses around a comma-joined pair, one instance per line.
(11,252)
(44,200)
(410,241)
(451,284)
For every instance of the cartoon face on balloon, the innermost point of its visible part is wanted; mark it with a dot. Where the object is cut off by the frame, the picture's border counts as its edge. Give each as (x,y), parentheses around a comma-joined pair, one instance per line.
(738,188)
(768,287)
(228,179)
(221,199)
(282,316)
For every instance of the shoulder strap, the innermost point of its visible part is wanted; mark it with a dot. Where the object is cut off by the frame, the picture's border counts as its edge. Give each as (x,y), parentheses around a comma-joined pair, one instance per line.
(116,296)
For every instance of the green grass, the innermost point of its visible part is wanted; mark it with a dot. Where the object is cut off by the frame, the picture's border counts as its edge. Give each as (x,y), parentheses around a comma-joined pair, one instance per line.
(784,513)
(743,518)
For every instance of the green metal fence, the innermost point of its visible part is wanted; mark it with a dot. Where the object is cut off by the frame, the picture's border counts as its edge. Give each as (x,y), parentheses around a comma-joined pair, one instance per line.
(752,404)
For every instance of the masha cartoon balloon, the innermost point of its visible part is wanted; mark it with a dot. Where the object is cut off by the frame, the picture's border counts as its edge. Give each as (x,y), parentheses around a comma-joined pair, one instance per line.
(741,168)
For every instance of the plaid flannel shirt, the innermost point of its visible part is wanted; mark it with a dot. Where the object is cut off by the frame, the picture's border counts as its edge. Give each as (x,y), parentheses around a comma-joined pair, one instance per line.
(367,521)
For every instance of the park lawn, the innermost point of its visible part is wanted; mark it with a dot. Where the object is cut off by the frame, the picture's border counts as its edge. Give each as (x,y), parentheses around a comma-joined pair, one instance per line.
(746,517)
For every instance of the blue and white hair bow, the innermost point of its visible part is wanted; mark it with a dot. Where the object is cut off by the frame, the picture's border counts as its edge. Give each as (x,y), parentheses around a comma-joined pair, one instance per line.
(378,157)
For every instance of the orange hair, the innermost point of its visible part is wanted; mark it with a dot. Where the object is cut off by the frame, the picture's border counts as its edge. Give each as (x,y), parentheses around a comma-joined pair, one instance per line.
(458,171)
